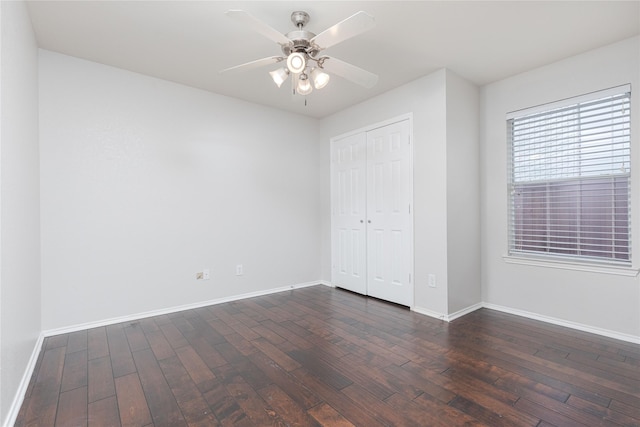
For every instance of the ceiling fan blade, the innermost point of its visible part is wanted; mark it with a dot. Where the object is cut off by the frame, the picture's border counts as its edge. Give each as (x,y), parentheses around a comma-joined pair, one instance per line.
(350,27)
(350,72)
(258,26)
(253,64)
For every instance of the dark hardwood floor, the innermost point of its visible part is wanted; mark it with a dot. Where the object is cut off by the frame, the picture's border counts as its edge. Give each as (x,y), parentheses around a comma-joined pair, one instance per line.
(322,356)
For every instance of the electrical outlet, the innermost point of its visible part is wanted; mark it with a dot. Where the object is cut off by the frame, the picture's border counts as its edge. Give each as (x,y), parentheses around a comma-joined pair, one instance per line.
(239,270)
(431,279)
(199,276)
(205,274)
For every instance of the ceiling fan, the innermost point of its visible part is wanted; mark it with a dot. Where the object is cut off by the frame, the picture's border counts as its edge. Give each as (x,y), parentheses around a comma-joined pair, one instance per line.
(302,51)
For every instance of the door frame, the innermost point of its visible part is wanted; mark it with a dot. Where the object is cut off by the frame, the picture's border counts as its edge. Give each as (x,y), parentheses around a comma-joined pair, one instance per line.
(367,128)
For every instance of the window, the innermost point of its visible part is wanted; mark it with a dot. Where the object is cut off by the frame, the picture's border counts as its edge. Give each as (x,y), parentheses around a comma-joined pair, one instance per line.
(569,179)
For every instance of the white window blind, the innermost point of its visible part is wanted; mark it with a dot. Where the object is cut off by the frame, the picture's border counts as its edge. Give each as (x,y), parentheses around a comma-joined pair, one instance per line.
(569,179)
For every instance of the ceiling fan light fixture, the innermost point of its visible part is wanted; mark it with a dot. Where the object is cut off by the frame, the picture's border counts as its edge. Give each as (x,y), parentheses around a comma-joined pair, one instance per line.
(279,76)
(304,85)
(320,78)
(296,62)
(301,51)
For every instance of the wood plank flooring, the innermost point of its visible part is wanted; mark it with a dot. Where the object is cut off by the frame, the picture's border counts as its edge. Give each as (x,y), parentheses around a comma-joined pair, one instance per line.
(325,357)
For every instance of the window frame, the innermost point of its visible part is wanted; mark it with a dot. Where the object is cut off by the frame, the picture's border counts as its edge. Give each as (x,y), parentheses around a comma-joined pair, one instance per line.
(558,260)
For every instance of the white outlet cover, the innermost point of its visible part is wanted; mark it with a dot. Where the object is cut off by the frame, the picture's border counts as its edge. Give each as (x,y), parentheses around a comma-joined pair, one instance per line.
(205,274)
(432,280)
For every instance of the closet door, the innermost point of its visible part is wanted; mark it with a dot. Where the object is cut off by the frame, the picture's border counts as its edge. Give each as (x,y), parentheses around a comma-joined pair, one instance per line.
(389,219)
(371,221)
(348,204)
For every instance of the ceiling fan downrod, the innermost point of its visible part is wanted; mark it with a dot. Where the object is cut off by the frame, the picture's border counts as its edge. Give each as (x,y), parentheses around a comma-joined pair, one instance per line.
(300,19)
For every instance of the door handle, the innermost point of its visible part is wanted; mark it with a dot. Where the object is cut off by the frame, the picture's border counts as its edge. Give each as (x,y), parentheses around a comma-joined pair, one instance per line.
(369,221)
(361,221)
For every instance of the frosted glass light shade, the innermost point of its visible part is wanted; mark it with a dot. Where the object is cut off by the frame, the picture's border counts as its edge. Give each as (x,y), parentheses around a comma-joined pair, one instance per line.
(304,85)
(279,76)
(320,79)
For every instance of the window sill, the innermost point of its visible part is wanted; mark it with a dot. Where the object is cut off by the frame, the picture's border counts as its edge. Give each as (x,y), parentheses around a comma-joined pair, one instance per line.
(564,265)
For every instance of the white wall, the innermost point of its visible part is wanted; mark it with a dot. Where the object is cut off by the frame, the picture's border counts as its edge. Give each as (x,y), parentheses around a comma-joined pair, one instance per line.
(19,200)
(146,182)
(601,301)
(463,194)
(426,99)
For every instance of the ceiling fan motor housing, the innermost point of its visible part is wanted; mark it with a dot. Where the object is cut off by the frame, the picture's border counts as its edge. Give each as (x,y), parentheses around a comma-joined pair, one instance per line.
(300,39)
(300,42)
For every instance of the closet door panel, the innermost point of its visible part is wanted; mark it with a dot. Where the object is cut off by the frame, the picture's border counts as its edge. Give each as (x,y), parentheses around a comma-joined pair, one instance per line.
(349,213)
(388,213)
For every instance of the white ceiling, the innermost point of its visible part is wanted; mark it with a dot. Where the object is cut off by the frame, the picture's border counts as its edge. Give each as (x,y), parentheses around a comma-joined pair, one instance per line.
(190,41)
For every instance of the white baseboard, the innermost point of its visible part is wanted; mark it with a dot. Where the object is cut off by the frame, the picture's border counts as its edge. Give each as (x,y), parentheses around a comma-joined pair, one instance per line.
(460,313)
(18,398)
(430,313)
(326,283)
(441,316)
(555,321)
(169,310)
(573,325)
(447,317)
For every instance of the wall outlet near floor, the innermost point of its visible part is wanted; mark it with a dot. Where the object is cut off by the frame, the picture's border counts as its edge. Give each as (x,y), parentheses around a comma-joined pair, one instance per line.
(239,270)
(431,280)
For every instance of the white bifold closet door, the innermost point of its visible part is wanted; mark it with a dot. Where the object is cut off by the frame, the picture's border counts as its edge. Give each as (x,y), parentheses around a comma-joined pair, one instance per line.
(372,233)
